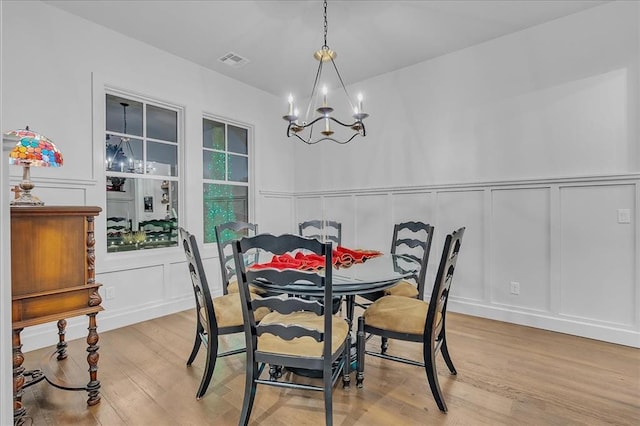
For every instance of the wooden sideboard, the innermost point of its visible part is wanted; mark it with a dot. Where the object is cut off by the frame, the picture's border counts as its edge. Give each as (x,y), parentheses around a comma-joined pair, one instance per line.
(53,278)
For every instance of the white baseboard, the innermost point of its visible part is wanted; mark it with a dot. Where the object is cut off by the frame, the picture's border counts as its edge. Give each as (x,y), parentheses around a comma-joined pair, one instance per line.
(607,333)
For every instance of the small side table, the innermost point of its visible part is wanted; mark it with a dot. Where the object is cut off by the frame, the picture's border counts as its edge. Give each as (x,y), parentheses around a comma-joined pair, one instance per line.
(53,278)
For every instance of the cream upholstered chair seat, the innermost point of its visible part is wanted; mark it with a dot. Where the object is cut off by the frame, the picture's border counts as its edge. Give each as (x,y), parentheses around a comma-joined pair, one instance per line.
(403,288)
(233,287)
(301,346)
(228,311)
(398,313)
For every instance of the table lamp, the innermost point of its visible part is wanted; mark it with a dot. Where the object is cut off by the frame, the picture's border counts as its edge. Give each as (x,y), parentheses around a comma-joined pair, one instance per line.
(34,150)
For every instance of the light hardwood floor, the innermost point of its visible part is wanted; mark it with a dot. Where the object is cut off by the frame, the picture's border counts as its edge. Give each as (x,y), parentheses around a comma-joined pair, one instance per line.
(507,375)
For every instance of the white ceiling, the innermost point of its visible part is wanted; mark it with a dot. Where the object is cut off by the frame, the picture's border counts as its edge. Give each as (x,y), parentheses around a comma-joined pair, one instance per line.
(279,37)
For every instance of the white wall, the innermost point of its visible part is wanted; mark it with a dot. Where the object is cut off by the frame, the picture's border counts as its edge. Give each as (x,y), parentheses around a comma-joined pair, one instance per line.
(55,69)
(531,142)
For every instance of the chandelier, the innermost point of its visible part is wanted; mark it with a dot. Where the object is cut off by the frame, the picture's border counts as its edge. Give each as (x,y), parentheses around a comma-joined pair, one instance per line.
(304,130)
(116,157)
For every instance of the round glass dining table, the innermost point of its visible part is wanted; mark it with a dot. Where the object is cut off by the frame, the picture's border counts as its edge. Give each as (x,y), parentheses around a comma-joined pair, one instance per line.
(373,275)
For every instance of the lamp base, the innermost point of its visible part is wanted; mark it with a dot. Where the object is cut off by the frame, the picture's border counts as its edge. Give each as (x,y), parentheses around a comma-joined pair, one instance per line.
(25,200)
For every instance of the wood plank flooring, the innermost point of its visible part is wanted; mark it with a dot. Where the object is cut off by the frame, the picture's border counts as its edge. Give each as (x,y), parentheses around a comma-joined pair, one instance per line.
(507,375)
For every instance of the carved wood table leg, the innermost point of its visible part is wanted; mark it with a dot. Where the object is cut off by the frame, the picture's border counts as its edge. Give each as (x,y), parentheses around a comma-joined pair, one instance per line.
(93,387)
(62,345)
(18,379)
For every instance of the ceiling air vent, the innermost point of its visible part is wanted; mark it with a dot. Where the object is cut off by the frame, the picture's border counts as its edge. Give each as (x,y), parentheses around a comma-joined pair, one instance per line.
(233,60)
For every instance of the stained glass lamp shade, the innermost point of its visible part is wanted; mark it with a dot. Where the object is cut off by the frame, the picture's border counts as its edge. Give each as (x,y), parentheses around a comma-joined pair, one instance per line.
(32,150)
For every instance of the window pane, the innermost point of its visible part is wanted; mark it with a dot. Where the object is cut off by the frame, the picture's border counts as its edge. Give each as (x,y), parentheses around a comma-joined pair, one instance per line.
(162,124)
(141,214)
(115,116)
(162,159)
(123,154)
(213,165)
(223,203)
(238,140)
(238,168)
(213,134)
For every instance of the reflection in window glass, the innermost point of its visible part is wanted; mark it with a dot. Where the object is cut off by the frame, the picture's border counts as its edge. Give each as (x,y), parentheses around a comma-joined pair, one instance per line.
(213,134)
(118,114)
(142,213)
(213,165)
(237,140)
(162,123)
(238,168)
(162,159)
(123,154)
(223,203)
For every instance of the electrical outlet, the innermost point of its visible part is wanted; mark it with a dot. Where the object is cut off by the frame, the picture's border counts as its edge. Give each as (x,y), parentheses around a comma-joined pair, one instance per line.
(624,216)
(109,293)
(515,287)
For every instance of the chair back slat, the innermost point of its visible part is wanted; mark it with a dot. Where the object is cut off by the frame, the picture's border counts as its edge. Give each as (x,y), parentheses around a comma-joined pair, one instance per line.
(290,332)
(225,234)
(323,230)
(288,306)
(413,239)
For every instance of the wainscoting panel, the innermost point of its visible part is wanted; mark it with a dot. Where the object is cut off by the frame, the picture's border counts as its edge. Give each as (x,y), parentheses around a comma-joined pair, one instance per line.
(598,253)
(178,284)
(455,209)
(577,267)
(276,214)
(416,206)
(520,241)
(373,227)
(341,208)
(306,208)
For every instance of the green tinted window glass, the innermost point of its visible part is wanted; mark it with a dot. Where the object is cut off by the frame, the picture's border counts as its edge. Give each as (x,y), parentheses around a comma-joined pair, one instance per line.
(213,165)
(221,204)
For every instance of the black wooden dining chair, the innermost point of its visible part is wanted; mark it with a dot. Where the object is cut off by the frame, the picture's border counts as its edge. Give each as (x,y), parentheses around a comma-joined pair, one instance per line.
(225,234)
(215,317)
(323,230)
(298,333)
(415,320)
(411,240)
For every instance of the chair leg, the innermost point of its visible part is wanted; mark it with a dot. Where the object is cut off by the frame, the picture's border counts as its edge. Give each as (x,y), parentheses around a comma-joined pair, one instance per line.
(346,369)
(210,365)
(432,377)
(196,346)
(384,345)
(447,358)
(360,344)
(250,387)
(328,396)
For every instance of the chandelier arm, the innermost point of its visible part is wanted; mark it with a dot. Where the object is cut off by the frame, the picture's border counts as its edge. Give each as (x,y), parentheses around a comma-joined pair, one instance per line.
(313,90)
(342,83)
(341,123)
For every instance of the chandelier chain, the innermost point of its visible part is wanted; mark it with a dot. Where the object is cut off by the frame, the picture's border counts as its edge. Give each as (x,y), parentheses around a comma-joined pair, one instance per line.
(325,24)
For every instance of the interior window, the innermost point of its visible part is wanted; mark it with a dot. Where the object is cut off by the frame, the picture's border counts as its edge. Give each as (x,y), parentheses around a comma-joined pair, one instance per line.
(141,166)
(225,161)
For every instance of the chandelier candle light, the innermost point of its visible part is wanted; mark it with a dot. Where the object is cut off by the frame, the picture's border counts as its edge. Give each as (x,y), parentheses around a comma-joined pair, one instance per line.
(304,130)
(32,150)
